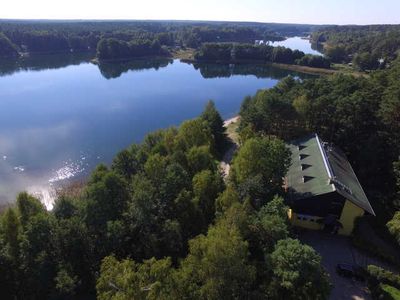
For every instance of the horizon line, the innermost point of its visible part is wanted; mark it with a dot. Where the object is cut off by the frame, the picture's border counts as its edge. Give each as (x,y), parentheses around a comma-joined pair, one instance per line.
(184,20)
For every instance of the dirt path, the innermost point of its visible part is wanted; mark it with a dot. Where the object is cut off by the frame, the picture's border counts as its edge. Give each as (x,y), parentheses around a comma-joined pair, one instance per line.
(231,126)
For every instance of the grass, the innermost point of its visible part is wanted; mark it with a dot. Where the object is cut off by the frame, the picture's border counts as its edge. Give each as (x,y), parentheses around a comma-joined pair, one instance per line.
(336,69)
(348,70)
(184,54)
(305,69)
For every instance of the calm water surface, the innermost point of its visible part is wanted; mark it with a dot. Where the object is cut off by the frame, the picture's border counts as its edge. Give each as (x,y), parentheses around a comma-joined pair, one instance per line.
(62,115)
(298,43)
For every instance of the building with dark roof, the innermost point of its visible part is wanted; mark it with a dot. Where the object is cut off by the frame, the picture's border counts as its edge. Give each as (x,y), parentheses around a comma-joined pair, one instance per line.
(323,191)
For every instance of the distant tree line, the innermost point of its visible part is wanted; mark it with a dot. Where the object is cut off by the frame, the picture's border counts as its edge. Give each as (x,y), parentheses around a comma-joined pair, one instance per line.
(367,47)
(233,52)
(111,49)
(76,36)
(7,48)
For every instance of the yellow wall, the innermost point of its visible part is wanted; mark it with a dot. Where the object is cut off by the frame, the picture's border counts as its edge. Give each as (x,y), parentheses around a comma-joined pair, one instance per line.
(298,220)
(349,213)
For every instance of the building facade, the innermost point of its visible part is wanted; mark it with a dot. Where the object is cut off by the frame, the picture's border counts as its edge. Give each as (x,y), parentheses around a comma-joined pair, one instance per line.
(323,191)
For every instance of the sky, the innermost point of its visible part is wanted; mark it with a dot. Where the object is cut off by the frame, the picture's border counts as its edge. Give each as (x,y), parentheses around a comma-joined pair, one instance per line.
(278,11)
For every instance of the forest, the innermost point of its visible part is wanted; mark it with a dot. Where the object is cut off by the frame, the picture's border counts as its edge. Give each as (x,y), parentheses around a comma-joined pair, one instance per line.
(113,49)
(161,223)
(232,52)
(81,36)
(367,47)
(360,115)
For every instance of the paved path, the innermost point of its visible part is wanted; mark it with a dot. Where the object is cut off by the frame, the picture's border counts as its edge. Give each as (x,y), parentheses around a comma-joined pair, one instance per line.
(338,249)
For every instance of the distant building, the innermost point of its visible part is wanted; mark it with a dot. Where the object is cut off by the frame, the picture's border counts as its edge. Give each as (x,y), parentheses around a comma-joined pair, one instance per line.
(323,191)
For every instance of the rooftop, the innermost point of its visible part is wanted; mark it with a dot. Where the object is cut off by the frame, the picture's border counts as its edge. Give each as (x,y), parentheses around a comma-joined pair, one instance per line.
(318,168)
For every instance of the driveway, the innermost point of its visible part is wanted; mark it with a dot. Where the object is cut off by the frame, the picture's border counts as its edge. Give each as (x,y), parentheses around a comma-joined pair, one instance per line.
(337,249)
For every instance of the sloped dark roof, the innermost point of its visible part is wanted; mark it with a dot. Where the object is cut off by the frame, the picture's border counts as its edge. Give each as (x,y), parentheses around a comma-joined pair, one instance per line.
(318,168)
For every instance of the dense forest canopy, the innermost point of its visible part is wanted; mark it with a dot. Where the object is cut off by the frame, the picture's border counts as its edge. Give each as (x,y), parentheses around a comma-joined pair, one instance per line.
(65,36)
(234,52)
(360,115)
(368,47)
(112,49)
(7,48)
(161,223)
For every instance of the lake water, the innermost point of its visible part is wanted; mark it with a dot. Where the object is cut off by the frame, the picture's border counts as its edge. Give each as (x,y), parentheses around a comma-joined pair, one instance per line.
(298,43)
(60,116)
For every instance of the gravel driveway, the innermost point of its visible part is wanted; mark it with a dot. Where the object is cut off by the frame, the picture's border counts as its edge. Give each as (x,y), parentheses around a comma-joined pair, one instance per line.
(337,249)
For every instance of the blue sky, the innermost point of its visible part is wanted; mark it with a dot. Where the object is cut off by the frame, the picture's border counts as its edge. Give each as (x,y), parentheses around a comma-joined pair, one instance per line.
(283,11)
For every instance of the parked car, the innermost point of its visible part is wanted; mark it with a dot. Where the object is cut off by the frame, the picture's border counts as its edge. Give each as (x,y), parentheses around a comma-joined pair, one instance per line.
(350,271)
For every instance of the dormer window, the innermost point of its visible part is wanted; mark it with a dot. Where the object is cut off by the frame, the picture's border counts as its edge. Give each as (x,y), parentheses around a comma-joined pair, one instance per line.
(301,147)
(307,178)
(303,156)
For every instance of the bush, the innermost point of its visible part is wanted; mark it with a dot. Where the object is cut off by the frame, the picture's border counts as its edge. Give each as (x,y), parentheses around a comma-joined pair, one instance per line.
(362,243)
(379,275)
(388,292)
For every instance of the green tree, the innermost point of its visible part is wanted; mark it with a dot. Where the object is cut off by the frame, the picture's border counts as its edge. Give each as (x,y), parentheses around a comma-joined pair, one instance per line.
(365,61)
(199,159)
(228,198)
(11,229)
(297,272)
(337,53)
(194,133)
(206,188)
(125,163)
(390,109)
(268,226)
(267,158)
(28,207)
(216,124)
(107,196)
(38,256)
(394,226)
(65,284)
(7,48)
(126,280)
(217,266)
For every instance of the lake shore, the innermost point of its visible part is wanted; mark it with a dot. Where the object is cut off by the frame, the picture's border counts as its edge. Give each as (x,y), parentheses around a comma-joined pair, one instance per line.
(187,56)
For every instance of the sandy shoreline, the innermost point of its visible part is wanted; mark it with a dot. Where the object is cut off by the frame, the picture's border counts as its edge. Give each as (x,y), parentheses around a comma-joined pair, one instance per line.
(227,122)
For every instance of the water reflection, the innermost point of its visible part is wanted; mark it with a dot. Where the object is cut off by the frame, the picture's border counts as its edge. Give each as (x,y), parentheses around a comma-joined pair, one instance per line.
(298,43)
(10,66)
(317,47)
(116,69)
(58,124)
(257,70)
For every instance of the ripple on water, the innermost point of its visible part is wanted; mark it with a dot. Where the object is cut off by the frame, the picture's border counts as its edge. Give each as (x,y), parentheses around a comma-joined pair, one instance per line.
(69,170)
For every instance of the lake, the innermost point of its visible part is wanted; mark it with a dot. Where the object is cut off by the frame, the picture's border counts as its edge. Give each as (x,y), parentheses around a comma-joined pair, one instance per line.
(298,43)
(61,115)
